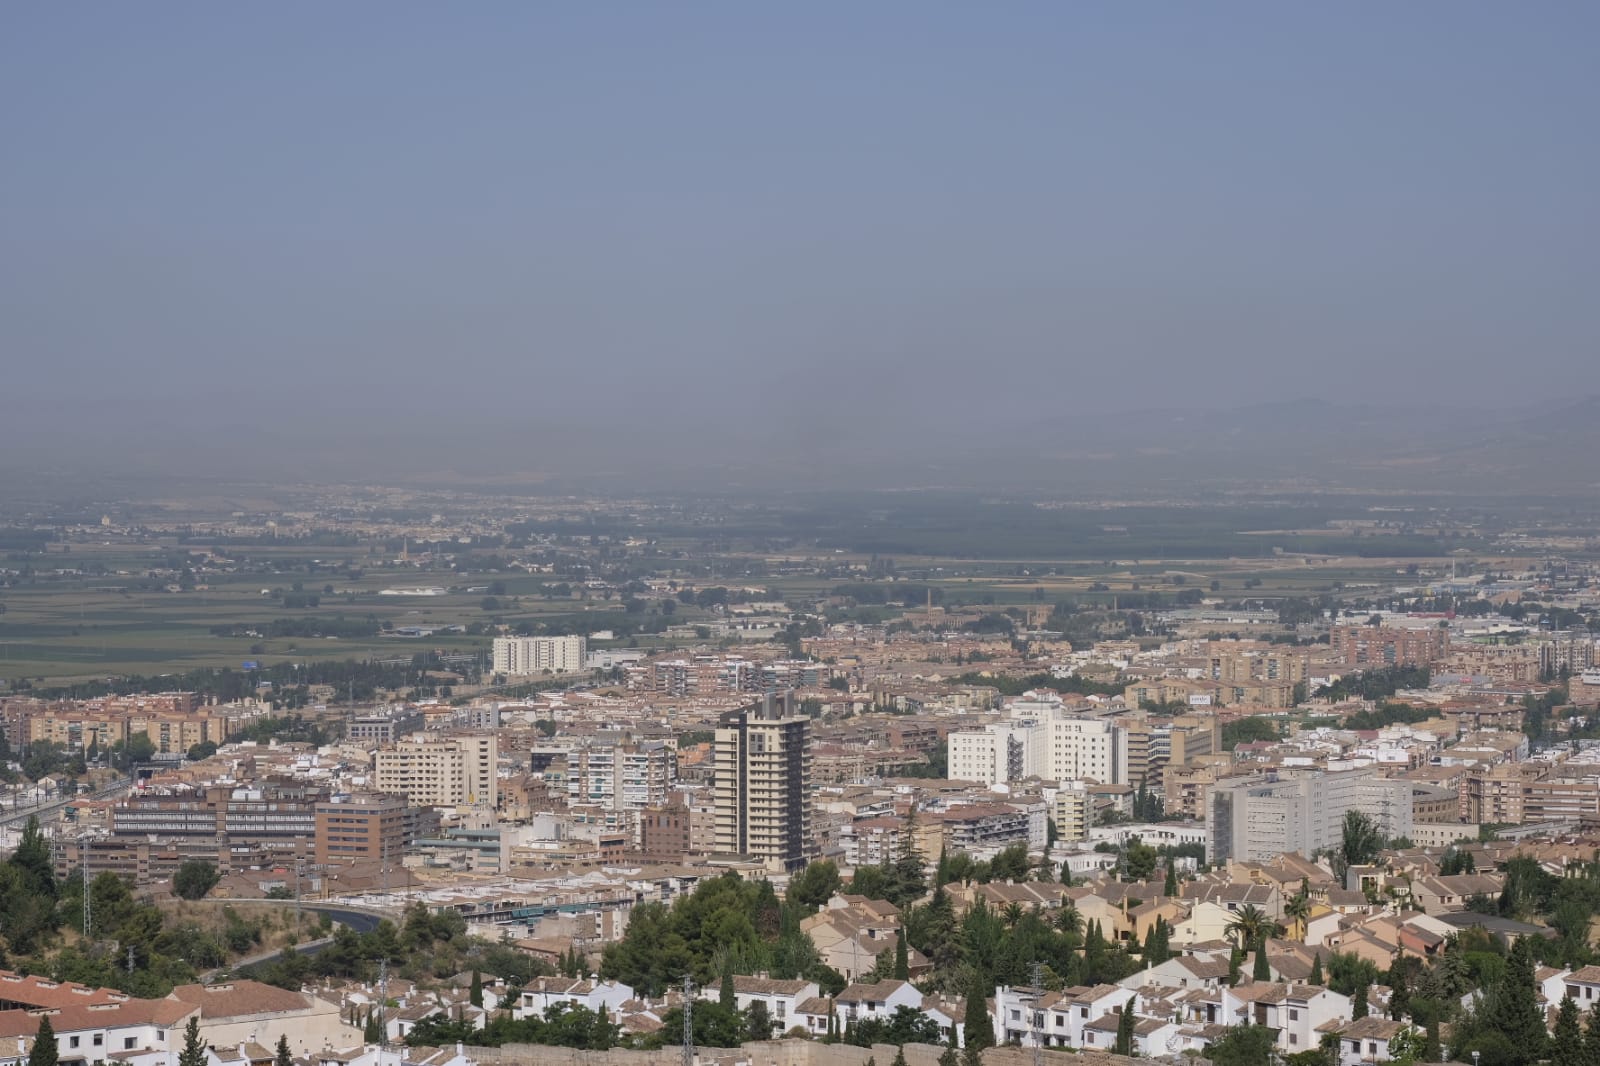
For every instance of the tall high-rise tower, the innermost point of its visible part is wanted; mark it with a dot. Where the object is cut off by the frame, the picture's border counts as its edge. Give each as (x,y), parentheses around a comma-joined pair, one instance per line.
(763,783)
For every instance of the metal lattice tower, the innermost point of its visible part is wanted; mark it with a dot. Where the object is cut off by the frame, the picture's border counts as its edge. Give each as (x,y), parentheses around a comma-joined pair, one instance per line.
(688,1021)
(1038,995)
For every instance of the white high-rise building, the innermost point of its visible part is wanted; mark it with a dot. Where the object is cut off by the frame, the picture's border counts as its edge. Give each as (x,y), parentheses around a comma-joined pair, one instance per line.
(763,784)
(1044,739)
(528,656)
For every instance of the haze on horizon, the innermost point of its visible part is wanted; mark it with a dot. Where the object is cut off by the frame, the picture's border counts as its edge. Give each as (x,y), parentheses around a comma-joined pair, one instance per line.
(509,236)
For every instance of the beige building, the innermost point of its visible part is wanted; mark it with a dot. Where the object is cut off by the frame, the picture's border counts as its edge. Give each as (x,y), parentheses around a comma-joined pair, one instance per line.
(763,784)
(240,1012)
(450,771)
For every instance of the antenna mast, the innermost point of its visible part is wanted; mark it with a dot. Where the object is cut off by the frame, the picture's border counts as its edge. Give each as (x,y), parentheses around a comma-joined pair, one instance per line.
(688,1021)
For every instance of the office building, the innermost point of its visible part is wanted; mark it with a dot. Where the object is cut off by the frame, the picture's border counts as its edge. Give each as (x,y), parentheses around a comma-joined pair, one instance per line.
(763,784)
(364,826)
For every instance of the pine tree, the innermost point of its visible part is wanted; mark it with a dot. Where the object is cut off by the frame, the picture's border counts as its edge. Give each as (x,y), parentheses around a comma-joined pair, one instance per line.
(1124,1044)
(32,860)
(902,958)
(1567,1047)
(1261,971)
(194,1052)
(1358,1000)
(1170,889)
(475,990)
(1316,978)
(283,1057)
(45,1052)
(979,1029)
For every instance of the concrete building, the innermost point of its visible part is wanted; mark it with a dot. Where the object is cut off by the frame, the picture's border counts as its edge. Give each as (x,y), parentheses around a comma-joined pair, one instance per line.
(1260,817)
(449,771)
(1043,740)
(763,784)
(527,656)
(366,826)
(621,776)
(1389,645)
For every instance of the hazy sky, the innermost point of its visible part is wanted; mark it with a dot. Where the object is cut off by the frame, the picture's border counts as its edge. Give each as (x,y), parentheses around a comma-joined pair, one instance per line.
(456,223)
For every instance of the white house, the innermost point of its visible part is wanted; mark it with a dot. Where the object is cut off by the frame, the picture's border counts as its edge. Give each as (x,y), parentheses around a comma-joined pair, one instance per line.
(783,999)
(859,1002)
(1367,1040)
(542,993)
(1296,1011)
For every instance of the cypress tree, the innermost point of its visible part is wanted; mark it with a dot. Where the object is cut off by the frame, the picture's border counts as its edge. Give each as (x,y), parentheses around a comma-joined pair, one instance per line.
(972,1056)
(902,959)
(194,1052)
(1400,993)
(948,1057)
(1567,1047)
(1514,1009)
(979,1029)
(1358,1000)
(726,996)
(1124,1044)
(1432,1050)
(1171,887)
(45,1052)
(1316,977)
(1261,971)
(283,1057)
(899,1056)
(1235,959)
(475,990)
(1591,1038)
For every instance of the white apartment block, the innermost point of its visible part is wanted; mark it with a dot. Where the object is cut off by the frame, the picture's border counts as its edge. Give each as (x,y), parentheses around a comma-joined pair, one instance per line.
(529,656)
(1259,817)
(452,771)
(621,776)
(1040,740)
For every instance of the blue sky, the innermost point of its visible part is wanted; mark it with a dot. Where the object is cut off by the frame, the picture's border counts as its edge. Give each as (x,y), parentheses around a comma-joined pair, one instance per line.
(309,211)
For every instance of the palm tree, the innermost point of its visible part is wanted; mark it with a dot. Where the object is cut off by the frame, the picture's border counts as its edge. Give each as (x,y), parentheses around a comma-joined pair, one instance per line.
(1249,924)
(1011,914)
(1069,921)
(1298,910)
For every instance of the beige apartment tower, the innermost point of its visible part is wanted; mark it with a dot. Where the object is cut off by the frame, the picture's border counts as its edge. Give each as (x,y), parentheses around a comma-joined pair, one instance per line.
(452,771)
(763,784)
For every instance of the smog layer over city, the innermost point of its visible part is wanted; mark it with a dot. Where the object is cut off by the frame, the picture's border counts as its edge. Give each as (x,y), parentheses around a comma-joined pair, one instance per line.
(820,534)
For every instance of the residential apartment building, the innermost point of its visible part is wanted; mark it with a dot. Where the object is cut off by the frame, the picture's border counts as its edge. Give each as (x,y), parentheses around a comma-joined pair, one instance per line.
(1260,817)
(1045,741)
(763,784)
(1389,645)
(528,656)
(621,776)
(448,771)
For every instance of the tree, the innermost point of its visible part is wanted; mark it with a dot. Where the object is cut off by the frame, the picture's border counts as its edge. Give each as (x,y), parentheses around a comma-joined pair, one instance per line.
(1400,990)
(1513,1009)
(475,990)
(45,1052)
(725,995)
(1591,1038)
(1242,1045)
(816,884)
(902,959)
(757,1021)
(899,1056)
(32,860)
(1248,925)
(194,1052)
(1170,889)
(1359,843)
(1316,973)
(1566,1049)
(1298,909)
(1358,1000)
(1124,1045)
(948,1057)
(194,879)
(971,1055)
(1261,971)
(283,1057)
(979,1029)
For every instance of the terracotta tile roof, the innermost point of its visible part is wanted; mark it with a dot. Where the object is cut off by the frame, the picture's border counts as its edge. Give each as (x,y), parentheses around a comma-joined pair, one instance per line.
(241,998)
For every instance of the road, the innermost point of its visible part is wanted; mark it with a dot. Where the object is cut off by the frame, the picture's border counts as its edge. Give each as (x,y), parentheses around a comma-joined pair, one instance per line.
(360,921)
(44,811)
